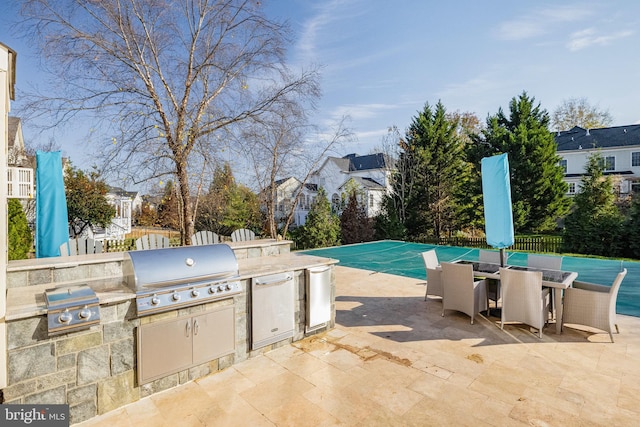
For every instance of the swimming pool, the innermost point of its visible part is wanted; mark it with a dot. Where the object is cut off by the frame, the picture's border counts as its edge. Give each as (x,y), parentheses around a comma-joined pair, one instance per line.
(404,259)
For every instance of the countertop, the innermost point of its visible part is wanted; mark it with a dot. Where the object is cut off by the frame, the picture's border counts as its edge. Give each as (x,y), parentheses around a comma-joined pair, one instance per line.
(28,301)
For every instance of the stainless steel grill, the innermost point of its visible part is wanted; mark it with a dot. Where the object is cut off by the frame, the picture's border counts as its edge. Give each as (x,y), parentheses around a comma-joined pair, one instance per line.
(164,279)
(71,308)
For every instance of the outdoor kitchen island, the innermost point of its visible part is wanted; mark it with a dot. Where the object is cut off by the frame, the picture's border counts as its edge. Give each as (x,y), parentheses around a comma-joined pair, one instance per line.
(97,368)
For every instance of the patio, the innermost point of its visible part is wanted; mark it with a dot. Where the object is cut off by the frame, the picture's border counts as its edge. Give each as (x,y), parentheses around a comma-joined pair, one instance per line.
(393,360)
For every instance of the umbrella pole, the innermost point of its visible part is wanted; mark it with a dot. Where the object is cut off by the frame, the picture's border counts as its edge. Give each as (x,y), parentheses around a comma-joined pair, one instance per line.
(501,257)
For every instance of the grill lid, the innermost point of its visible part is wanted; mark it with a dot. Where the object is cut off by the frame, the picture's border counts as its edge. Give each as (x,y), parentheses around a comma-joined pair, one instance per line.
(69,296)
(158,268)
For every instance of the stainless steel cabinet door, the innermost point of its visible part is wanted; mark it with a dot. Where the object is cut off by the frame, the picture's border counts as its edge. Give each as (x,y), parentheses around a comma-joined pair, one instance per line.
(164,348)
(213,335)
(272,309)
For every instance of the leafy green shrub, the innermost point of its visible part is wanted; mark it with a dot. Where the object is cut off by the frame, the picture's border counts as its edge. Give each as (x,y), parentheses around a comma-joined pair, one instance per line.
(20,238)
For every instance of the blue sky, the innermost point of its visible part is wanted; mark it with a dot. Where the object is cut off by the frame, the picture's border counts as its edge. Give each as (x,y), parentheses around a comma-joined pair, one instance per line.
(382,60)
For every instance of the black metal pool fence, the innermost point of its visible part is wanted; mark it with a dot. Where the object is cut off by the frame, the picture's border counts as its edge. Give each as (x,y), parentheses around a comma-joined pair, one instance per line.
(527,244)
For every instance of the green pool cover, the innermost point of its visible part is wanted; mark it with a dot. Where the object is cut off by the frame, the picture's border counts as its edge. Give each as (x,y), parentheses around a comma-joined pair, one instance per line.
(404,259)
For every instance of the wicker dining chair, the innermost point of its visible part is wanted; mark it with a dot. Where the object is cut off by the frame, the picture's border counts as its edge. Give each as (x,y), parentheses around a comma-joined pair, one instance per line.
(544,262)
(460,291)
(593,305)
(523,298)
(434,275)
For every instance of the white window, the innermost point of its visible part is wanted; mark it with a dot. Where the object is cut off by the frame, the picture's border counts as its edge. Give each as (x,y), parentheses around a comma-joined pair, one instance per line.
(635,158)
(610,163)
(335,202)
(563,164)
(572,188)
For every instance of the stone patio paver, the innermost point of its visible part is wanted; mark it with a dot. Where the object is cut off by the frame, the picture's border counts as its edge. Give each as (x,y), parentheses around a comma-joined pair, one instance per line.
(393,360)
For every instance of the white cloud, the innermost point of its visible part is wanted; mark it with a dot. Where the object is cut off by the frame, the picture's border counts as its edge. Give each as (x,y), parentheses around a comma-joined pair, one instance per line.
(471,88)
(327,13)
(361,111)
(589,37)
(539,22)
(372,134)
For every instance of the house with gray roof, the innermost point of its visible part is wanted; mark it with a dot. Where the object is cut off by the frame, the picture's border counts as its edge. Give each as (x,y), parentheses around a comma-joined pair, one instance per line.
(619,146)
(369,174)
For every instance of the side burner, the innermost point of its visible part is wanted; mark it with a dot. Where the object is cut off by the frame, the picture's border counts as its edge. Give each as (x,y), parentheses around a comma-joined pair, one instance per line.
(71,308)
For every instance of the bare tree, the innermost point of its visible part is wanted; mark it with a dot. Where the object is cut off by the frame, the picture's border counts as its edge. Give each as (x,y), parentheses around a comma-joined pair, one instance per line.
(280,146)
(404,169)
(578,112)
(164,76)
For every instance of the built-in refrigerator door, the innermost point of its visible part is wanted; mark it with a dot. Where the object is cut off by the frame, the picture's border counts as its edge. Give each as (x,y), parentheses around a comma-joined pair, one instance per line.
(272,309)
(318,302)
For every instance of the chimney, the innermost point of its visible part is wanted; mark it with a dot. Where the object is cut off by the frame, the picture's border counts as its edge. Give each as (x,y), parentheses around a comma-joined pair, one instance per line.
(587,132)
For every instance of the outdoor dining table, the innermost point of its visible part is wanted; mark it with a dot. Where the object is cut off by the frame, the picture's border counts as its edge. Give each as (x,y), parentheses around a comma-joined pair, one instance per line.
(558,280)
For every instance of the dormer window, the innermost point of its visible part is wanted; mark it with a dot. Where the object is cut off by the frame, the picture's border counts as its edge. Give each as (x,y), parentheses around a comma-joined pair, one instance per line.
(610,163)
(563,165)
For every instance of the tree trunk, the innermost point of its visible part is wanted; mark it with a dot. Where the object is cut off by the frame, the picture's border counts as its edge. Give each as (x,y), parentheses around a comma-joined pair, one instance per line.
(183,181)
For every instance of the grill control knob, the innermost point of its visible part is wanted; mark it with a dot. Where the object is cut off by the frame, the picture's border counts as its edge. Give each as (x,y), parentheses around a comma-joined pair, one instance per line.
(220,288)
(65,317)
(195,293)
(85,313)
(155,300)
(212,290)
(228,287)
(175,296)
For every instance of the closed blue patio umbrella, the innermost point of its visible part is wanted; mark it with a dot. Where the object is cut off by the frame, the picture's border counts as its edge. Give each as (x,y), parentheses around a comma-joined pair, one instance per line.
(52,226)
(496,192)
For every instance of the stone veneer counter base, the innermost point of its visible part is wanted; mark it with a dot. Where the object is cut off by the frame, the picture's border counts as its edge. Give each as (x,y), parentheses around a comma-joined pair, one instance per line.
(94,370)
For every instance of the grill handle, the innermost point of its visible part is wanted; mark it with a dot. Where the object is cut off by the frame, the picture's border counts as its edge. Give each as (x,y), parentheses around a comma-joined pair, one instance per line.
(278,281)
(188,329)
(196,327)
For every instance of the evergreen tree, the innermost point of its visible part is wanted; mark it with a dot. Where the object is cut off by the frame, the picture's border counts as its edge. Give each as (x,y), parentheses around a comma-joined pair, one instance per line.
(355,226)
(169,208)
(20,238)
(632,227)
(387,225)
(147,215)
(537,186)
(227,206)
(322,227)
(242,210)
(595,224)
(433,171)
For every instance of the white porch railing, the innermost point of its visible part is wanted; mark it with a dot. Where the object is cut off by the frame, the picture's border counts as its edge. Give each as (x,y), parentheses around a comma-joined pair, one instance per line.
(118,228)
